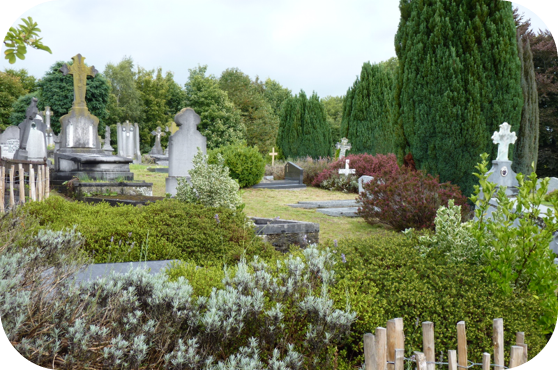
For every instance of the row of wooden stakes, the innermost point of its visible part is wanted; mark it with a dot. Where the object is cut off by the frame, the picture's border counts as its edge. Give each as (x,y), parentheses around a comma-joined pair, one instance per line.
(386,349)
(39,185)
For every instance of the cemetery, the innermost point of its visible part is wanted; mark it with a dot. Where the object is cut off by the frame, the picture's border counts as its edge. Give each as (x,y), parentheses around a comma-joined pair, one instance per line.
(213,237)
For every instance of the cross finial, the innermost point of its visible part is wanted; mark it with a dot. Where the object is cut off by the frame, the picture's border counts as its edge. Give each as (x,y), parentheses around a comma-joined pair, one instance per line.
(273,154)
(343,146)
(503,138)
(80,72)
(347,171)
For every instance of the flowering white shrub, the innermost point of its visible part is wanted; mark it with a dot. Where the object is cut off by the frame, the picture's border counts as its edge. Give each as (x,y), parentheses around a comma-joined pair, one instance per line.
(210,184)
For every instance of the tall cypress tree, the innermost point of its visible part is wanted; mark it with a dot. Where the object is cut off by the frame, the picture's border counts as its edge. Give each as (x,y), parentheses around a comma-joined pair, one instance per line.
(316,132)
(290,125)
(458,80)
(527,144)
(347,109)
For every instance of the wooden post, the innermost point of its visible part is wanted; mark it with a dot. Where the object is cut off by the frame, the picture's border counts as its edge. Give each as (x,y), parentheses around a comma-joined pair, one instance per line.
(399,359)
(420,360)
(498,343)
(461,344)
(47,182)
(2,188)
(395,339)
(12,198)
(520,341)
(21,176)
(516,356)
(32,183)
(381,346)
(39,183)
(452,359)
(486,361)
(369,352)
(428,344)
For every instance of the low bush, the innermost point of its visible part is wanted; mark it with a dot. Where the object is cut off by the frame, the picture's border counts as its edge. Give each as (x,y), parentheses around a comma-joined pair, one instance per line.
(245,163)
(163,230)
(386,277)
(407,199)
(363,164)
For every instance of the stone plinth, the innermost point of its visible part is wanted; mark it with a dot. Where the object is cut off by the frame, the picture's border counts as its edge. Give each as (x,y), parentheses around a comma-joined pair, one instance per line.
(284,233)
(94,166)
(502,175)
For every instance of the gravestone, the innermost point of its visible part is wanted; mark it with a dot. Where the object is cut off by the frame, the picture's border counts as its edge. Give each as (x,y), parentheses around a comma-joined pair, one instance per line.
(501,173)
(49,134)
(294,173)
(363,180)
(127,140)
(157,149)
(183,146)
(347,171)
(106,147)
(32,140)
(9,142)
(272,154)
(343,146)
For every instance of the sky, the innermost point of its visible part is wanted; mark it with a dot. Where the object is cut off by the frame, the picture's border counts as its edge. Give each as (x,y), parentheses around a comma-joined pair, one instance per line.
(302,44)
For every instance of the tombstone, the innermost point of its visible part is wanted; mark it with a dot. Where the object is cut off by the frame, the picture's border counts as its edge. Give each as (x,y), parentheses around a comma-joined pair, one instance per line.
(9,142)
(32,135)
(294,173)
(347,171)
(501,172)
(49,134)
(183,146)
(106,147)
(127,140)
(363,180)
(343,146)
(157,149)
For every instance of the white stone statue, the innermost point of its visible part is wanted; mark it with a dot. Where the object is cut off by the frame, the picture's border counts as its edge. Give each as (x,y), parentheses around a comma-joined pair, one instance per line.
(503,138)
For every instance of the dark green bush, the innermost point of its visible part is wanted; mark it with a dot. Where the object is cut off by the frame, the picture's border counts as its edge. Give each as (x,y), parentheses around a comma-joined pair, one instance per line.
(385,278)
(245,163)
(162,230)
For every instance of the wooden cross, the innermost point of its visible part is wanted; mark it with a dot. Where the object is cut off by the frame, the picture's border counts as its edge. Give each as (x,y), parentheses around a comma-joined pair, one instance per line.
(80,72)
(503,138)
(347,171)
(273,154)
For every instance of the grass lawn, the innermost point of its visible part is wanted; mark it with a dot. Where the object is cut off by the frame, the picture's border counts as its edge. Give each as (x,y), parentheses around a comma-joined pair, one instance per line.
(273,203)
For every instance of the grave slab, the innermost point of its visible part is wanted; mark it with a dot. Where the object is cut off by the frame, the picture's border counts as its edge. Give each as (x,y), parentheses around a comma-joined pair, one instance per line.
(99,270)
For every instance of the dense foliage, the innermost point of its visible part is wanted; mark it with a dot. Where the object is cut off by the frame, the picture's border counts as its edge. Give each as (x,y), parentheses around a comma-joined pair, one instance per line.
(11,88)
(245,163)
(459,79)
(334,114)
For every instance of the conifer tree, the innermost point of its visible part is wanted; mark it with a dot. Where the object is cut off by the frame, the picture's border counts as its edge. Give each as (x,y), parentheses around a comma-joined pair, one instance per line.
(290,125)
(316,132)
(458,80)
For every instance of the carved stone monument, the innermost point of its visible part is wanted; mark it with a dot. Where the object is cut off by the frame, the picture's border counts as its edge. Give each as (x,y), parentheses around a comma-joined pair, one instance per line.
(80,152)
(343,146)
(157,149)
(106,147)
(32,132)
(9,142)
(183,146)
(501,172)
(127,140)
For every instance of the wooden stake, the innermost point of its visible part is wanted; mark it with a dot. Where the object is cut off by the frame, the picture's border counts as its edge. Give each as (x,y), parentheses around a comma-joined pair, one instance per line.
(516,356)
(428,344)
(12,198)
(486,361)
(2,188)
(420,360)
(381,346)
(520,341)
(461,344)
(47,182)
(369,352)
(498,343)
(395,339)
(399,359)
(21,176)
(32,183)
(39,183)
(452,359)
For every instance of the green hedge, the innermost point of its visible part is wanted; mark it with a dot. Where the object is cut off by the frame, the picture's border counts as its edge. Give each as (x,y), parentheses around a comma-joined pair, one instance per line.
(163,230)
(385,278)
(245,163)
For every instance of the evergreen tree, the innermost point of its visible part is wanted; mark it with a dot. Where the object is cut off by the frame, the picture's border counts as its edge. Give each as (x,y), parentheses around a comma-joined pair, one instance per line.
(316,132)
(220,120)
(347,109)
(527,144)
(334,114)
(458,79)
(290,125)
(275,94)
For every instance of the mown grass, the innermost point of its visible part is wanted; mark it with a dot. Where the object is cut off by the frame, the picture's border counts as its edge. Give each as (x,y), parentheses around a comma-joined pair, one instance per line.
(158,179)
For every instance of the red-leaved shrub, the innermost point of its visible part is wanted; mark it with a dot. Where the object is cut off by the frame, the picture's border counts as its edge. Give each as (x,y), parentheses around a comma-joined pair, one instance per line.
(407,199)
(363,164)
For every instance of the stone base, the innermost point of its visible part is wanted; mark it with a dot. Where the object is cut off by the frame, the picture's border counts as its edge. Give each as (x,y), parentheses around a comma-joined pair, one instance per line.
(171,183)
(94,166)
(160,159)
(502,175)
(20,154)
(284,233)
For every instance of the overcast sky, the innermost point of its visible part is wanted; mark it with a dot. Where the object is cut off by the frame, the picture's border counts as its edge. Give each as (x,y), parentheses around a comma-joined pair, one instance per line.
(303,44)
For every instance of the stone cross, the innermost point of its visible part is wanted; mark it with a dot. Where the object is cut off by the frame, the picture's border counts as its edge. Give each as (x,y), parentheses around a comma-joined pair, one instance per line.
(157,149)
(503,138)
(158,133)
(107,135)
(347,171)
(273,154)
(343,146)
(47,116)
(80,72)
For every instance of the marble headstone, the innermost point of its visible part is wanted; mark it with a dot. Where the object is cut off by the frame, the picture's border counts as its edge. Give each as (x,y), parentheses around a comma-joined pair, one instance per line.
(183,146)
(501,172)
(9,142)
(127,140)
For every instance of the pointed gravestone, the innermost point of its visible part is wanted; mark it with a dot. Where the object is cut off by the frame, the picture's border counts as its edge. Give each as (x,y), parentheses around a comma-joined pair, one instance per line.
(183,146)
(127,137)
(501,173)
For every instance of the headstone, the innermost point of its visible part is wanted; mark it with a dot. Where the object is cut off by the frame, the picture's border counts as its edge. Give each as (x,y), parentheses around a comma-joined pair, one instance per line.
(183,146)
(157,149)
(273,154)
(347,171)
(106,147)
(343,146)
(78,128)
(128,143)
(49,134)
(501,173)
(363,180)
(9,142)
(294,173)
(32,140)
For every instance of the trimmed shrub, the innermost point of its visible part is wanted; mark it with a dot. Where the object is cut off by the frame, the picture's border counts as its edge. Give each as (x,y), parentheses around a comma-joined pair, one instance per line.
(210,184)
(363,164)
(163,230)
(407,199)
(386,277)
(245,163)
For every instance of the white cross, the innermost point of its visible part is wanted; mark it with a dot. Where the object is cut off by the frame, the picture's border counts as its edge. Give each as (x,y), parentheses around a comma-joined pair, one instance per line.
(343,146)
(47,116)
(503,138)
(347,170)
(273,154)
